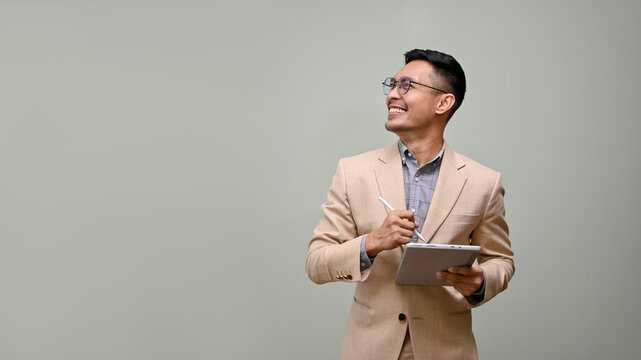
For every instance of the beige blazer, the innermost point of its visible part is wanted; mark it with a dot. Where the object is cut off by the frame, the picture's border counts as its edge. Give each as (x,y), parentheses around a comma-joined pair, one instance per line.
(467,208)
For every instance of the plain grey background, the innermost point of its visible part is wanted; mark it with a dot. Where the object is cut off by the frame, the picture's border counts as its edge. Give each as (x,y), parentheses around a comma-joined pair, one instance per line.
(163,164)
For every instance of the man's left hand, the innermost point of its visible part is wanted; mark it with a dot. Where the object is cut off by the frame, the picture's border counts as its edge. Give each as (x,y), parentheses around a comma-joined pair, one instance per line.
(466,280)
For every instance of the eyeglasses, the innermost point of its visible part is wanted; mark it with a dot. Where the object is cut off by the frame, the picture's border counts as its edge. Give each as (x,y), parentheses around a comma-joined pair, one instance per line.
(404,84)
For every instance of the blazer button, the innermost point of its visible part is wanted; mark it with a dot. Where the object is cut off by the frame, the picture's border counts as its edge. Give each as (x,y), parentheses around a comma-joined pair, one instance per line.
(349,277)
(401,316)
(339,277)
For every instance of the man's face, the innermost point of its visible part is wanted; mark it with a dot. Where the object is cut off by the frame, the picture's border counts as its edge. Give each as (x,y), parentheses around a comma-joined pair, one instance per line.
(415,109)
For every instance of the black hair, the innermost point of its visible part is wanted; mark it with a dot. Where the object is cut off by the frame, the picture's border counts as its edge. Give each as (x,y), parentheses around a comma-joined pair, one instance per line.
(445,67)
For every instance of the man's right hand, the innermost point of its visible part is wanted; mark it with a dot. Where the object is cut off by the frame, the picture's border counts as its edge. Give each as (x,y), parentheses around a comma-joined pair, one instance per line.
(396,230)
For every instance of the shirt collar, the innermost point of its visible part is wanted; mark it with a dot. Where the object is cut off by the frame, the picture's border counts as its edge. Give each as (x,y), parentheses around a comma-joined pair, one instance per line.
(406,152)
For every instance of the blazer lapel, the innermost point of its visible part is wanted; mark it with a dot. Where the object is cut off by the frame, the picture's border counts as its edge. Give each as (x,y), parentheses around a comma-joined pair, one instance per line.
(448,188)
(389,177)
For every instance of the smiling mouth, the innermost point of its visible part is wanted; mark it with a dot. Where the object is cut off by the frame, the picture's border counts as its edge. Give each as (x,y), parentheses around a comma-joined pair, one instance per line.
(396,110)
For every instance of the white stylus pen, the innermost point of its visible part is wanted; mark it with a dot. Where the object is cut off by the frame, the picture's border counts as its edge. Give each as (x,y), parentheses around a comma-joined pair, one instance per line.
(390,208)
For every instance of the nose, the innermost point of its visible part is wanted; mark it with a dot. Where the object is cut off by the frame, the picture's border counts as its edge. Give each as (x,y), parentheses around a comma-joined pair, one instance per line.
(393,94)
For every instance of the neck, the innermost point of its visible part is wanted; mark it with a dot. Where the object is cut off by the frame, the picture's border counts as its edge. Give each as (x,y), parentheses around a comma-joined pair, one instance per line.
(425,149)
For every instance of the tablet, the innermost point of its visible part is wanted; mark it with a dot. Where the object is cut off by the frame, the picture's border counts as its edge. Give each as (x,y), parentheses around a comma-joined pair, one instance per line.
(421,262)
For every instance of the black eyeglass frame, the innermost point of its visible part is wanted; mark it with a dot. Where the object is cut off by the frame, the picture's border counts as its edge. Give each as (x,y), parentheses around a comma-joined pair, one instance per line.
(402,91)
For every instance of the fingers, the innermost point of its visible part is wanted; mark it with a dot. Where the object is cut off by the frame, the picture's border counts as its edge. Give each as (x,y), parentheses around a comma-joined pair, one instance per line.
(406,234)
(460,270)
(464,275)
(466,270)
(447,277)
(466,280)
(403,218)
(396,230)
(401,236)
(402,225)
(404,214)
(458,282)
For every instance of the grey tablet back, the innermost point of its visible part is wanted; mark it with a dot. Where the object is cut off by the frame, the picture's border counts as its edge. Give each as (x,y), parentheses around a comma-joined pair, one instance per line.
(421,262)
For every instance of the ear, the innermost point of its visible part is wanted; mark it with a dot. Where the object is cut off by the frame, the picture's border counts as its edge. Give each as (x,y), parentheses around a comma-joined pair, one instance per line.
(445,103)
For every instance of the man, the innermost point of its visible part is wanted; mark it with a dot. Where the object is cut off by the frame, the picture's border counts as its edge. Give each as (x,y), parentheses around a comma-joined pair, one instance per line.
(451,199)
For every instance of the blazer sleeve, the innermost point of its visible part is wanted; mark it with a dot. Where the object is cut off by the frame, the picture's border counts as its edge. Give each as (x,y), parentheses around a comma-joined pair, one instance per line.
(492,234)
(334,251)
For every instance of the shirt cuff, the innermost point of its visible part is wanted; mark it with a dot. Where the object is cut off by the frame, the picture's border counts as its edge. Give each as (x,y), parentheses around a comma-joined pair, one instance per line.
(366,261)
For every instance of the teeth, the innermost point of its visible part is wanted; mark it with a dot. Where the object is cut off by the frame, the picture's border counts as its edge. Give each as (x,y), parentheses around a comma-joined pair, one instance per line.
(396,110)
